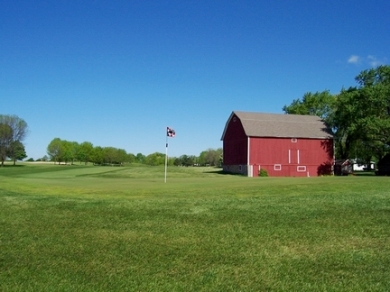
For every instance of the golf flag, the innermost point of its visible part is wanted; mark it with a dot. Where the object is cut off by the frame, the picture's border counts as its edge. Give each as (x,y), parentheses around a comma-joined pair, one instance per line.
(170,132)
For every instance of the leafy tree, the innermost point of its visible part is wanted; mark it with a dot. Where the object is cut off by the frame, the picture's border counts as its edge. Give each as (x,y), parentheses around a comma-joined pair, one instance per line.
(97,156)
(121,156)
(55,150)
(68,153)
(344,123)
(156,158)
(320,104)
(130,158)
(16,151)
(12,129)
(362,118)
(74,150)
(177,161)
(110,155)
(85,152)
(212,157)
(140,158)
(373,107)
(5,141)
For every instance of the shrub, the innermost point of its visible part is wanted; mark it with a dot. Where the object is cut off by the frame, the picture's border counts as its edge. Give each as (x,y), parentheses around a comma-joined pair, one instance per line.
(263,172)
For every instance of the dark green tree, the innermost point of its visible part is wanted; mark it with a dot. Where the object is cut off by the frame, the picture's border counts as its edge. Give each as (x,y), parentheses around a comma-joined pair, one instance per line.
(321,104)
(16,151)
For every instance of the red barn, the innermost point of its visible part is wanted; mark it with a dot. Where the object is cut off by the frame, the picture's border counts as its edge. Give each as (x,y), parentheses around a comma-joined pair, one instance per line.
(284,145)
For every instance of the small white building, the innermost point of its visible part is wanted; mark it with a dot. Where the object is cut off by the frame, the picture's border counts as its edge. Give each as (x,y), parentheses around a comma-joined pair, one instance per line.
(361,167)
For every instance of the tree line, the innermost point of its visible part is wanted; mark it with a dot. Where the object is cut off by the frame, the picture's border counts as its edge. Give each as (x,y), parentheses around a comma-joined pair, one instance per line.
(13,130)
(63,151)
(358,117)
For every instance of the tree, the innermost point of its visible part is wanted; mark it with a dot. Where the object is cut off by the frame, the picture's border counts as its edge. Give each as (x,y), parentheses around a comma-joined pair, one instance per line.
(373,107)
(97,156)
(156,158)
(320,104)
(16,151)
(12,129)
(130,158)
(5,141)
(109,154)
(85,152)
(212,157)
(140,158)
(120,156)
(68,152)
(55,150)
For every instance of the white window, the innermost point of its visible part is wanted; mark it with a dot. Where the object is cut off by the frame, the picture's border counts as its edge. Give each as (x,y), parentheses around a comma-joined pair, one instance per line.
(294,140)
(277,167)
(301,168)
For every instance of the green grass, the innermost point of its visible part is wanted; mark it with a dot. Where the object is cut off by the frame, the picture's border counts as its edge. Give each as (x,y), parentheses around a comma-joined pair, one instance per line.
(85,228)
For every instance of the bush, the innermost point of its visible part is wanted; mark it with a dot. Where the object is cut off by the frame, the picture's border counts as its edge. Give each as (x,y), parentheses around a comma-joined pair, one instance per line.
(263,172)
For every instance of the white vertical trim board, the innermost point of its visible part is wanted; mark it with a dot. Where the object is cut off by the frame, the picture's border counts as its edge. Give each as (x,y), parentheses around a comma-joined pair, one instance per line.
(298,155)
(248,151)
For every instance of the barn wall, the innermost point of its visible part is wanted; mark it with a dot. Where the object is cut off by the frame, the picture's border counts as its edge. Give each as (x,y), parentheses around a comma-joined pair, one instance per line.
(291,157)
(240,169)
(235,144)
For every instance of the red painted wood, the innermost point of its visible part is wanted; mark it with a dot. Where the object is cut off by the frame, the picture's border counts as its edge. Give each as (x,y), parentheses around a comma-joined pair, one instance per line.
(283,157)
(235,144)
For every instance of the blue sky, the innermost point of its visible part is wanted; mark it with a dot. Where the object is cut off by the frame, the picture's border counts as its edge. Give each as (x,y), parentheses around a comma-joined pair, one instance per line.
(117,73)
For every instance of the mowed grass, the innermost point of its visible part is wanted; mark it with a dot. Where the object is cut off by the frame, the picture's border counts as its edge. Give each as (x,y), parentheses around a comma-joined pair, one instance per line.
(86,228)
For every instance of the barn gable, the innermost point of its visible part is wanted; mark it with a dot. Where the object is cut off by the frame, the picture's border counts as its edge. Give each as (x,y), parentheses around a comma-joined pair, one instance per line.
(287,145)
(280,125)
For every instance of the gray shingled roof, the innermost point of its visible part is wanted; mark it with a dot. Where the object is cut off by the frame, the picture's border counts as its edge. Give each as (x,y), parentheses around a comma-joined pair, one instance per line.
(280,125)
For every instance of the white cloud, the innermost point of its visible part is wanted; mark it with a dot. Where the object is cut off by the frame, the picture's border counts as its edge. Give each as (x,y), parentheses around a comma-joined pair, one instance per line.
(354,59)
(373,61)
(370,60)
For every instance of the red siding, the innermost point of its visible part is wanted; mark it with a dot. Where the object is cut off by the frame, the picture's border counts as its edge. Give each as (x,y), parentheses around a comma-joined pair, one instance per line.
(235,144)
(288,157)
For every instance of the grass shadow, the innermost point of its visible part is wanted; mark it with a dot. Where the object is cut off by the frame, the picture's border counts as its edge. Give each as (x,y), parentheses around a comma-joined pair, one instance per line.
(11,165)
(222,172)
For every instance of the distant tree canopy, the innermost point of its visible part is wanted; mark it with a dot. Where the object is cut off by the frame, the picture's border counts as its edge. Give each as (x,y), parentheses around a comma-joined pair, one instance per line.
(358,116)
(13,130)
(68,152)
(62,151)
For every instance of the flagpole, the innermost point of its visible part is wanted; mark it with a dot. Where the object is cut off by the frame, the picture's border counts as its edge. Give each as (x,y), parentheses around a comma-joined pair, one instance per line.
(170,133)
(166,157)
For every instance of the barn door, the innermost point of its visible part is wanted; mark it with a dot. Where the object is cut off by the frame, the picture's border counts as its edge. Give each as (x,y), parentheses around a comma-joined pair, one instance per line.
(294,156)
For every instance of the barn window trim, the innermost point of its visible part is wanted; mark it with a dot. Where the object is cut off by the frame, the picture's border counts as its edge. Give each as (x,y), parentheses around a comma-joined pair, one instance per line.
(294,140)
(301,168)
(277,167)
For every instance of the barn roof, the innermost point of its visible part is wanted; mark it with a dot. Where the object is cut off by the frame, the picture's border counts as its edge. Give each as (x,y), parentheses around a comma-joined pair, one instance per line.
(280,125)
